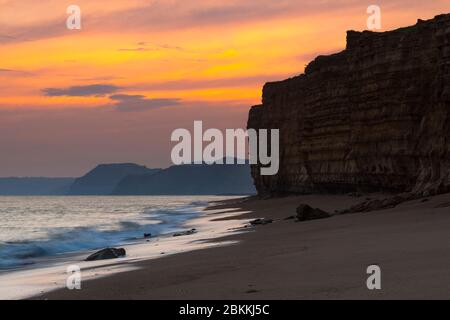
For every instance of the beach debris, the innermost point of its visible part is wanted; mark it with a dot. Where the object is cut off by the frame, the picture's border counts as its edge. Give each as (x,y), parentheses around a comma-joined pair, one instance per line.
(108,253)
(185,233)
(377,204)
(307,213)
(261,222)
(147,235)
(251,291)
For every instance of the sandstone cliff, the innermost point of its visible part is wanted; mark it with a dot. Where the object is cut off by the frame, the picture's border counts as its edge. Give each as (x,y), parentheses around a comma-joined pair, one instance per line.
(372,117)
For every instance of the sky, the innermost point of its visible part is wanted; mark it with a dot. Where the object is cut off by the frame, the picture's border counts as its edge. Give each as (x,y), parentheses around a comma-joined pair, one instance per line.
(137,70)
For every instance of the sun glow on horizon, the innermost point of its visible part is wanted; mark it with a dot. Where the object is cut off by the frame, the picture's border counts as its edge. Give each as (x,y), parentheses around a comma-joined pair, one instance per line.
(162,63)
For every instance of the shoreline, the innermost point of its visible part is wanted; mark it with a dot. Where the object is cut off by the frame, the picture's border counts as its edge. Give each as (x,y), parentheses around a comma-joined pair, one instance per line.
(323,259)
(49,274)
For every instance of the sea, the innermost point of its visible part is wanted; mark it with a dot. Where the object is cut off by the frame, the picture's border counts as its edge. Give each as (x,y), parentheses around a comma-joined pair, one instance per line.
(33,228)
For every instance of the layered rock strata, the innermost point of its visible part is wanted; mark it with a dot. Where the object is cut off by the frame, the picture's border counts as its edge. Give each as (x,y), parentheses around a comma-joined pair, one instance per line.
(372,117)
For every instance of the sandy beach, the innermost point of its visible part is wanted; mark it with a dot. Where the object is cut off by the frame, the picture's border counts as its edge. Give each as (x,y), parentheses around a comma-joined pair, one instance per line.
(322,259)
(49,273)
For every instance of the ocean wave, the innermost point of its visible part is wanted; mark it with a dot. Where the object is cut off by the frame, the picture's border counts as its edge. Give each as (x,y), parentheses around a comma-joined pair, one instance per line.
(158,221)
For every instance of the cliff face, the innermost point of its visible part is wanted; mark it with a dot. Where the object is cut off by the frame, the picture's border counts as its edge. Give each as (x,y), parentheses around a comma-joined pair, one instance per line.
(372,117)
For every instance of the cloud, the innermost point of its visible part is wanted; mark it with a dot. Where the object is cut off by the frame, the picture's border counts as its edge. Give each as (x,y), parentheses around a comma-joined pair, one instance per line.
(14,73)
(100,78)
(5,38)
(128,103)
(168,46)
(180,14)
(193,84)
(134,49)
(37,31)
(80,91)
(170,15)
(148,46)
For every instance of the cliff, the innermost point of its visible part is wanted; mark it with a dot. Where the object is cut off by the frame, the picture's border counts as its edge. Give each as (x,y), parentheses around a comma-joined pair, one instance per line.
(104,178)
(372,117)
(192,179)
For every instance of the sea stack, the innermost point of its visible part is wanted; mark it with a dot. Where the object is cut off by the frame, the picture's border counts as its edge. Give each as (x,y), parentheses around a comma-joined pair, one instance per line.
(372,117)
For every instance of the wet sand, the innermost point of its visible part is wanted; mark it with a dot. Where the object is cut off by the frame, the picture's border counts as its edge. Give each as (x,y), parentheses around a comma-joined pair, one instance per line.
(50,273)
(323,259)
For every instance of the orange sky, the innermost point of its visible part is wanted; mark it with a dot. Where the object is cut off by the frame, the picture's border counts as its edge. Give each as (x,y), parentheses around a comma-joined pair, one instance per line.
(114,90)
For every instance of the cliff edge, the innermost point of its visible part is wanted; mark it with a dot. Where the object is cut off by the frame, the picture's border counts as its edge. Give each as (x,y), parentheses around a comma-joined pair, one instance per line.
(372,117)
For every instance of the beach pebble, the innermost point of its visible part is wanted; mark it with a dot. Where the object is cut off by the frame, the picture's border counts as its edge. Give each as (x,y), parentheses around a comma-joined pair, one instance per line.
(108,253)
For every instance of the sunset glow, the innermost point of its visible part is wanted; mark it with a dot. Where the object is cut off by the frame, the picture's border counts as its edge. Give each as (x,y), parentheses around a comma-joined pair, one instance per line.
(199,59)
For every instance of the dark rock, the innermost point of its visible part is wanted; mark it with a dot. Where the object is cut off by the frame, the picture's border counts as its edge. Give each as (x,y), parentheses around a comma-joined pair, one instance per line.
(290,218)
(108,253)
(348,124)
(306,213)
(147,235)
(374,205)
(251,291)
(261,222)
(185,233)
